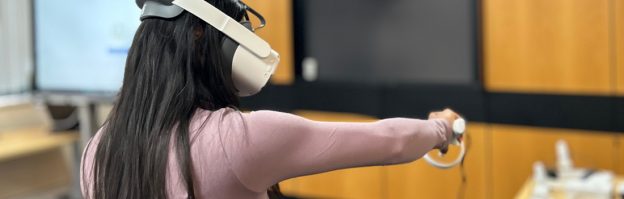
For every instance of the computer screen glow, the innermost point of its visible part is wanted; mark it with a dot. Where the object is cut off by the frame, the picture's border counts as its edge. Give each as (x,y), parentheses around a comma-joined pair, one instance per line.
(82,45)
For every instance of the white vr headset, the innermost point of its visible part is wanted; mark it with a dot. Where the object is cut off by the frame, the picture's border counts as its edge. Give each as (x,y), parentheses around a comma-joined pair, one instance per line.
(252,59)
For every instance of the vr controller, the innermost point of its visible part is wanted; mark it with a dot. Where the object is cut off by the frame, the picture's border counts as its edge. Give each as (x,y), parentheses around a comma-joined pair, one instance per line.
(459,128)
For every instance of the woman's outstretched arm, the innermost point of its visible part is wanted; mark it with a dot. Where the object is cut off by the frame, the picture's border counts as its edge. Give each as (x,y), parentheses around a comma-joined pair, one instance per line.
(274,146)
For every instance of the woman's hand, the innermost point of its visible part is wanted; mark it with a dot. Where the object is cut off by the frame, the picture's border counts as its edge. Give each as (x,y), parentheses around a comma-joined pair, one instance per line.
(450,116)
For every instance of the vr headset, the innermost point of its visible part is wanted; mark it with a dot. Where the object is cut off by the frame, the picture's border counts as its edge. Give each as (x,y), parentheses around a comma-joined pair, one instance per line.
(251,58)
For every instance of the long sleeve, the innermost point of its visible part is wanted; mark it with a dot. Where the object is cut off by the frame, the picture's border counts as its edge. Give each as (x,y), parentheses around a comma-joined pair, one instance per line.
(272,146)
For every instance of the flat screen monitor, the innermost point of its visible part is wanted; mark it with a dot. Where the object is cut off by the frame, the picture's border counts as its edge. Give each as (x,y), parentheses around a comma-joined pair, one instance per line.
(390,42)
(81,45)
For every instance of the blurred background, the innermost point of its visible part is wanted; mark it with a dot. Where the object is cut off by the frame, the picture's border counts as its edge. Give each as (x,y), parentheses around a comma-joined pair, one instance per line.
(525,74)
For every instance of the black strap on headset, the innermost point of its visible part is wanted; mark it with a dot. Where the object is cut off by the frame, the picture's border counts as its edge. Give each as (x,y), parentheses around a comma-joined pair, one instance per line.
(158,8)
(257,14)
(164,2)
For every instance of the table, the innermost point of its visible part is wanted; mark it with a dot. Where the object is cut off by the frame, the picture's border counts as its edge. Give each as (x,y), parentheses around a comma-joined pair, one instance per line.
(34,160)
(527,189)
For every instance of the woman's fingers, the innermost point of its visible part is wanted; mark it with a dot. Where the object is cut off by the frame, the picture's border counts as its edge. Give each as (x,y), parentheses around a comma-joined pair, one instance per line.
(447,114)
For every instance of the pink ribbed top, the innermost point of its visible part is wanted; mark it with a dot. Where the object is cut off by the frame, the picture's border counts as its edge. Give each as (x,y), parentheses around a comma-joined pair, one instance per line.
(240,155)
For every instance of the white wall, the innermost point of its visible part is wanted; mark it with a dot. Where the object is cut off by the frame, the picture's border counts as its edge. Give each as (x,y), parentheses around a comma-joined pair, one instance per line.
(16,54)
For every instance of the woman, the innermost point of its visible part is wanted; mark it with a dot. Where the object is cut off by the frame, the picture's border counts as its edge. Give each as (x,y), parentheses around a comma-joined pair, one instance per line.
(176,132)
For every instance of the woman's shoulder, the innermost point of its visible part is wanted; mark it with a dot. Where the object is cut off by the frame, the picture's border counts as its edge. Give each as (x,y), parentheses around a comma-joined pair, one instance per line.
(233,114)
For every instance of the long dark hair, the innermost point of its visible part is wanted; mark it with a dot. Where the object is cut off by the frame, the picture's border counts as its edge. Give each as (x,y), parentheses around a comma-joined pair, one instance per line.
(174,67)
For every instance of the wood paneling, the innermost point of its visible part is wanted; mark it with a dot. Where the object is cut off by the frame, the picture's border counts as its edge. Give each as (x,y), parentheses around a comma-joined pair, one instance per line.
(290,187)
(619,46)
(335,117)
(619,155)
(421,180)
(359,183)
(279,33)
(554,46)
(516,148)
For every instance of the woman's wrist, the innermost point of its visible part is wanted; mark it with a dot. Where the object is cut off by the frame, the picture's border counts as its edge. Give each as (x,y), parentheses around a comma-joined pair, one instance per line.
(445,131)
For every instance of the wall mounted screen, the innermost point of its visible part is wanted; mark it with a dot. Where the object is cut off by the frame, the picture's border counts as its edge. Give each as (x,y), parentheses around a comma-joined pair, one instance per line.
(81,45)
(396,41)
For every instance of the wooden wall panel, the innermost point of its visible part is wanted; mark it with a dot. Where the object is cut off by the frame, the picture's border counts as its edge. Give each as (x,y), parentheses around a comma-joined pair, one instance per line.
(554,46)
(619,155)
(619,46)
(421,180)
(358,183)
(334,116)
(289,187)
(515,149)
(279,33)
